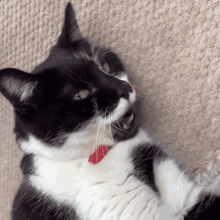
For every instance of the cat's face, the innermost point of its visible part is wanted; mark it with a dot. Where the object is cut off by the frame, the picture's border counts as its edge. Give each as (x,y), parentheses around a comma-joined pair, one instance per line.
(76,100)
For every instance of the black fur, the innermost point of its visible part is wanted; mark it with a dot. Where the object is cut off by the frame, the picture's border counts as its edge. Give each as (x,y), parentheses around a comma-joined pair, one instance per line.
(27,165)
(207,208)
(30,204)
(50,106)
(143,158)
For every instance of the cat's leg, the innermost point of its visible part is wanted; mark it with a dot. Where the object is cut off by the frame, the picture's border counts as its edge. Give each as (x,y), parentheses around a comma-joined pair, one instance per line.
(177,191)
(181,196)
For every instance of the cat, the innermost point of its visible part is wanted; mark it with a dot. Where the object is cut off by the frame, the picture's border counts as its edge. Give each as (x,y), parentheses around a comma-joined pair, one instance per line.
(78,99)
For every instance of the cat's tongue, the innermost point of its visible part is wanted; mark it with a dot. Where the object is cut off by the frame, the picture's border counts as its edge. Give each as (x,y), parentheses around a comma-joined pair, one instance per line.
(98,155)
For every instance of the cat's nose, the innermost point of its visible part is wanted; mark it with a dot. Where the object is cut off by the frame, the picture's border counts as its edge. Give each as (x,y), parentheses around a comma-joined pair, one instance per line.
(111,84)
(123,88)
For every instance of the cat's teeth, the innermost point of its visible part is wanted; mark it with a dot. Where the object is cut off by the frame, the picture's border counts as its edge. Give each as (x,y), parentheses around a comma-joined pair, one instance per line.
(130,119)
(128,122)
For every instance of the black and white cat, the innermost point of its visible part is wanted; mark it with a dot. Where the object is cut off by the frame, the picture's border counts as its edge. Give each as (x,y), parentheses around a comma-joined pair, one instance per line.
(75,101)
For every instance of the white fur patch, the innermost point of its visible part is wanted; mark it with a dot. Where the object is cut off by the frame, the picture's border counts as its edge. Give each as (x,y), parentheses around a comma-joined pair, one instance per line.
(103,190)
(78,145)
(124,77)
(121,109)
(107,191)
(132,96)
(177,191)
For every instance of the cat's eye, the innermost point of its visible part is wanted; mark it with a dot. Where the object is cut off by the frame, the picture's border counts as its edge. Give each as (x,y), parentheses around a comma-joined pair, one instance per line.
(82,94)
(106,67)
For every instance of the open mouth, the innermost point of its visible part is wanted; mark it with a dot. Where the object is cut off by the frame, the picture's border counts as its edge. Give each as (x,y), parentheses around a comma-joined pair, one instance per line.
(126,122)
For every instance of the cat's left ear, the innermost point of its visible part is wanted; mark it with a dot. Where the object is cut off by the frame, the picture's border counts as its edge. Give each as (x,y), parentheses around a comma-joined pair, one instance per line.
(18,87)
(70,32)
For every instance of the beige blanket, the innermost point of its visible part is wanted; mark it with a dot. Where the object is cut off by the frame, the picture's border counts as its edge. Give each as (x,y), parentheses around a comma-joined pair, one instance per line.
(170,48)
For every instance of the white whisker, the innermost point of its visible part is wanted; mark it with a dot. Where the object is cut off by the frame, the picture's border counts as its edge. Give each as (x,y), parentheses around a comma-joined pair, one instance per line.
(95,143)
(116,127)
(106,111)
(118,123)
(69,72)
(85,82)
(105,53)
(93,47)
(103,135)
(110,130)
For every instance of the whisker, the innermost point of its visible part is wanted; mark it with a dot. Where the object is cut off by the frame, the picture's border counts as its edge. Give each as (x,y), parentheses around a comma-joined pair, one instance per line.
(97,53)
(111,134)
(101,111)
(105,53)
(118,123)
(116,127)
(85,82)
(110,129)
(93,47)
(69,73)
(99,133)
(94,146)
(103,135)
(105,127)
(48,135)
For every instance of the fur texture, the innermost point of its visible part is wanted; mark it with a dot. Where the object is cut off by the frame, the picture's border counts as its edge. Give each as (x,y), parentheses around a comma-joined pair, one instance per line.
(64,110)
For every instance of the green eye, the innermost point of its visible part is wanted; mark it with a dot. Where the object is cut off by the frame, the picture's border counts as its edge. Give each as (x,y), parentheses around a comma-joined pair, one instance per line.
(82,94)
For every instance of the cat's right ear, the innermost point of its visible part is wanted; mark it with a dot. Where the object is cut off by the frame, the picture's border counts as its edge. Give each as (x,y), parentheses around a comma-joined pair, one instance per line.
(70,32)
(18,87)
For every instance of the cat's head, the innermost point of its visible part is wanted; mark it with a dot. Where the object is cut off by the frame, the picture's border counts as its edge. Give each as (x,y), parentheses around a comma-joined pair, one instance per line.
(76,100)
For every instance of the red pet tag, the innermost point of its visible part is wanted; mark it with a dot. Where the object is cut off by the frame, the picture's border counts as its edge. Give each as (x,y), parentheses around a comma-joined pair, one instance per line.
(98,155)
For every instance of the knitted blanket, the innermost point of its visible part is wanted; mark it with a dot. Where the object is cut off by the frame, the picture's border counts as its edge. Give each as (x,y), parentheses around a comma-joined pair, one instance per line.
(171,50)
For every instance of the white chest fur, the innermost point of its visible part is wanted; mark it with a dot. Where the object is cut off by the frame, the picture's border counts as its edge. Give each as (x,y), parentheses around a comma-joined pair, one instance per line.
(107,190)
(101,191)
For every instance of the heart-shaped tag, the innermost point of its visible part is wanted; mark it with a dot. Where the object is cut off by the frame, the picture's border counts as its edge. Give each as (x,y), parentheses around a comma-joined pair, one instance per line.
(98,155)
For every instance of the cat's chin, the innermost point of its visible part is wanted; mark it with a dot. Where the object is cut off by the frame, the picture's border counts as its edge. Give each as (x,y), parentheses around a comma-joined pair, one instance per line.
(126,126)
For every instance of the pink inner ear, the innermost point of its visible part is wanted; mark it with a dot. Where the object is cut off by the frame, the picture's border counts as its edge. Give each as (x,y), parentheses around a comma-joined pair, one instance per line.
(98,155)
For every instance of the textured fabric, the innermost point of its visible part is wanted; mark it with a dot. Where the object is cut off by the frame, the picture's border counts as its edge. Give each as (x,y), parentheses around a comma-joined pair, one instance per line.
(171,50)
